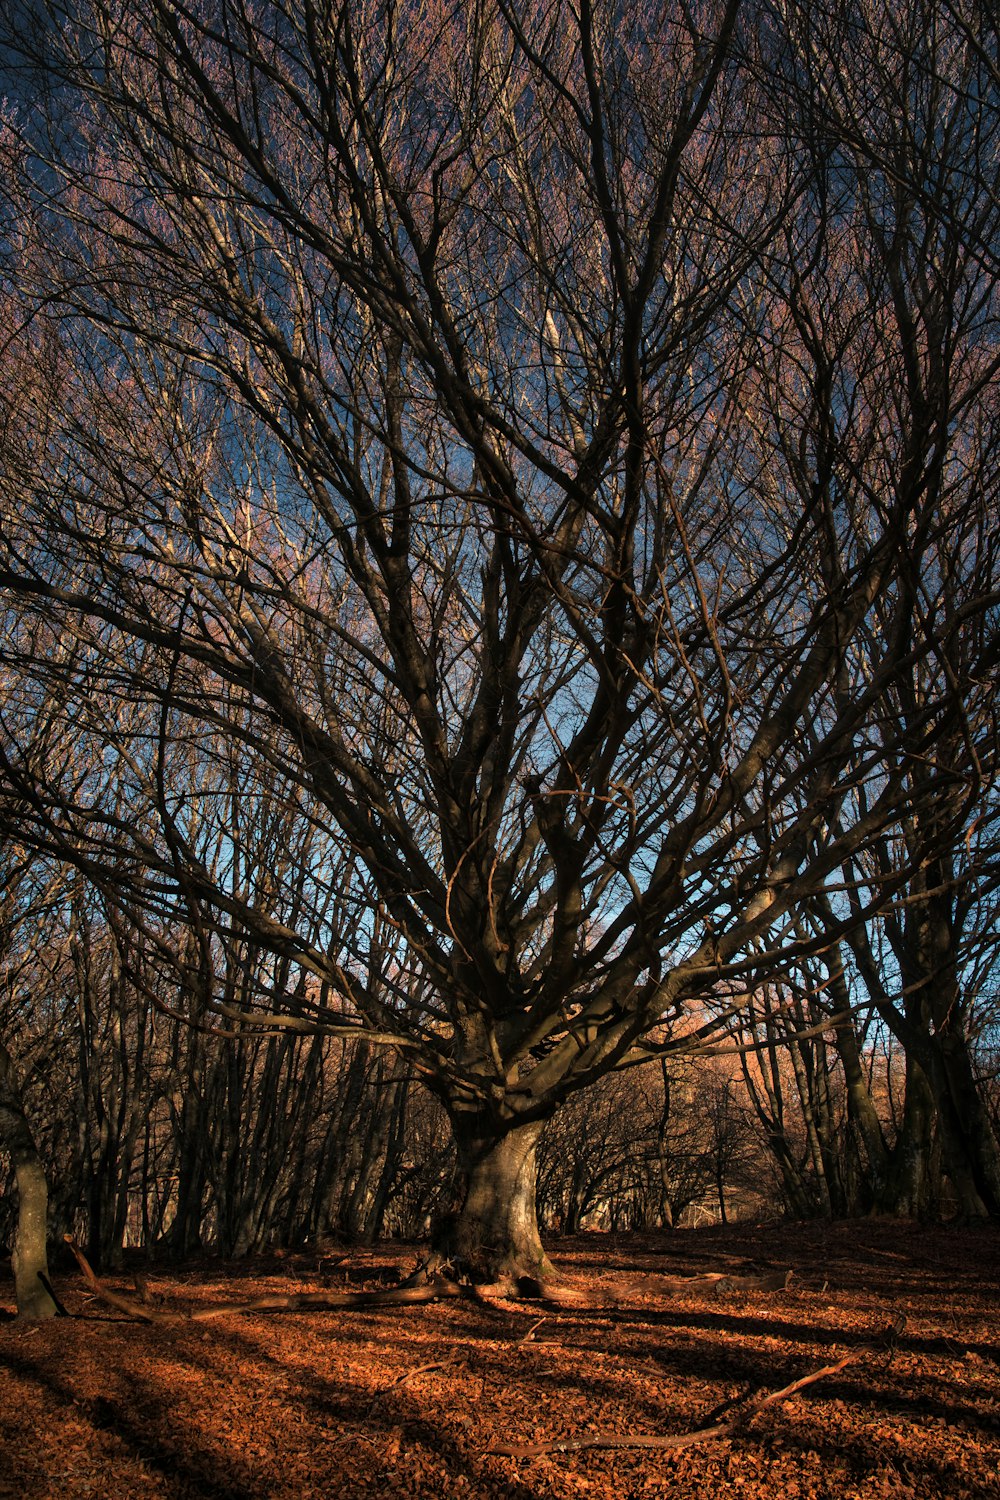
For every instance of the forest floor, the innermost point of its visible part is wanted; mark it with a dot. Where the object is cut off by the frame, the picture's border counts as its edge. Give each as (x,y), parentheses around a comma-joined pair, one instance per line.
(414,1401)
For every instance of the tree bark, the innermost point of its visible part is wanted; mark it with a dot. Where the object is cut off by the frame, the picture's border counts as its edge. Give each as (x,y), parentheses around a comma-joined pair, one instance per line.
(970,1149)
(495,1235)
(30,1255)
(862,1116)
(912,1186)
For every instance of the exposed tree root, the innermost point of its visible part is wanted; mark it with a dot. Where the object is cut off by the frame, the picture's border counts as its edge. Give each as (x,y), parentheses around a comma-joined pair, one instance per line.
(740,1419)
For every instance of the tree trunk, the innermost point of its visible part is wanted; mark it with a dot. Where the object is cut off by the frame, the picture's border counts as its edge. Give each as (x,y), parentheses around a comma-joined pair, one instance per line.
(912,1187)
(805,1082)
(29,1259)
(970,1153)
(495,1237)
(862,1116)
(392,1159)
(970,1149)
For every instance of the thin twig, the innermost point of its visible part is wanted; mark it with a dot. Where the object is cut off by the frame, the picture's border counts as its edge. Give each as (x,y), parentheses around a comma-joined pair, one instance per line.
(441,1364)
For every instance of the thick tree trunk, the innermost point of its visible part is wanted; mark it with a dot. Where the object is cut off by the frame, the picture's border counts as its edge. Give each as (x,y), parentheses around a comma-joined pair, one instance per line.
(29,1258)
(912,1184)
(971,1157)
(970,1147)
(495,1237)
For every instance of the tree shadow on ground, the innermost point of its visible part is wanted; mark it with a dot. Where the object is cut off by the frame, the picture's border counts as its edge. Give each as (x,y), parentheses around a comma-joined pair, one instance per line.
(408,1402)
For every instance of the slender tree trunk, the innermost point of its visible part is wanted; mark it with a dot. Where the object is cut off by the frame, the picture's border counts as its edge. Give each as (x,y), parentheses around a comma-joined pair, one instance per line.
(343,1142)
(766,1096)
(808,1105)
(575,1200)
(29,1259)
(390,1160)
(184,1234)
(663,1125)
(862,1115)
(495,1235)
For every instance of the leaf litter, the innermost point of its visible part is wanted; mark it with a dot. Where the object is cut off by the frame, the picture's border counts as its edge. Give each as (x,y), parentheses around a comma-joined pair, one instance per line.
(887,1336)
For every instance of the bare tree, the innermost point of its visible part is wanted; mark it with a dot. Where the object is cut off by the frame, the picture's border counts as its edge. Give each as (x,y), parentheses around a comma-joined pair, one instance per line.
(510,434)
(29,1256)
(29,890)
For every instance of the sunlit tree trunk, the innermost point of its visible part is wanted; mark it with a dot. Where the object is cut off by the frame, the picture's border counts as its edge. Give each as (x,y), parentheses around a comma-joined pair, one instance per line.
(29,1257)
(495,1235)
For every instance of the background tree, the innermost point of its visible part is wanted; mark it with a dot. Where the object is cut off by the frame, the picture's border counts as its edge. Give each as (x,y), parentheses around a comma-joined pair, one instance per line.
(28,893)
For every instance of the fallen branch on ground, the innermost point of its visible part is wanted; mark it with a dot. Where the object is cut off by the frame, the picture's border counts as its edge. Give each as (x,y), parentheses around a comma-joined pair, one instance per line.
(718,1281)
(433,1291)
(126,1305)
(768,1281)
(394,1385)
(736,1423)
(418,1289)
(396,1296)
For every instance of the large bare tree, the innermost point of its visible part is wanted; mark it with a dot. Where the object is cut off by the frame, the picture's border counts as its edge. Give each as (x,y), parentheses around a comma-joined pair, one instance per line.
(507,432)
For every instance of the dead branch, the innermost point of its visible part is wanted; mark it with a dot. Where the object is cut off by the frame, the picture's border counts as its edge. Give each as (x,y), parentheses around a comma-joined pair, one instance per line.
(568,1299)
(654,1283)
(707,1283)
(113,1299)
(408,1296)
(721,1281)
(394,1385)
(768,1281)
(739,1421)
(440,1364)
(433,1291)
(801,1383)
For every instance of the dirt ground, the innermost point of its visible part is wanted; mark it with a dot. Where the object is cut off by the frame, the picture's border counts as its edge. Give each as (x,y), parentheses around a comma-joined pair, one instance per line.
(412,1401)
